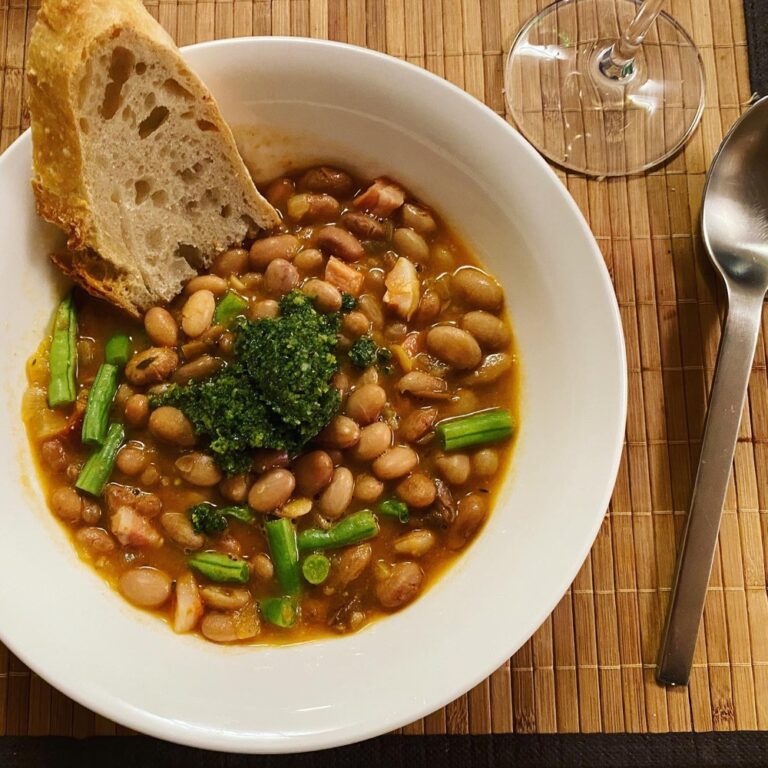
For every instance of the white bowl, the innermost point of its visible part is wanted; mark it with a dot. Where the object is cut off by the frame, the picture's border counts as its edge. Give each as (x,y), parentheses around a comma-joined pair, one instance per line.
(310,101)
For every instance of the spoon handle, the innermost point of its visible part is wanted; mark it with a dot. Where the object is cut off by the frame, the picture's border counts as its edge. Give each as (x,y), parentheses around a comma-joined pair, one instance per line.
(734,363)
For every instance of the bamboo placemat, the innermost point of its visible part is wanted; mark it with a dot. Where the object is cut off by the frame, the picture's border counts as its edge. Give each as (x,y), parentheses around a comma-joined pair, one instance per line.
(590,666)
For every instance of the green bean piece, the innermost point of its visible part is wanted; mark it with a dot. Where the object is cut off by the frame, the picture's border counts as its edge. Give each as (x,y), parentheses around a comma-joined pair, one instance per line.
(281,536)
(353,528)
(316,568)
(97,470)
(219,567)
(62,358)
(96,419)
(118,350)
(280,611)
(243,514)
(481,428)
(229,308)
(394,508)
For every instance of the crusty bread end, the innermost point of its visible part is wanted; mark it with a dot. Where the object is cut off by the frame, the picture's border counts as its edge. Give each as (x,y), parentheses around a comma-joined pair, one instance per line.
(131,155)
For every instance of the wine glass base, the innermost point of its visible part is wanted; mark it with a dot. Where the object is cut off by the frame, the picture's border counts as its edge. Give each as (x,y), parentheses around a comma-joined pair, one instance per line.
(579,118)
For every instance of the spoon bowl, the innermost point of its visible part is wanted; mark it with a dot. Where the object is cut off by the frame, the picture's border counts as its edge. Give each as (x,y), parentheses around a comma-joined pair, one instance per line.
(734,224)
(734,218)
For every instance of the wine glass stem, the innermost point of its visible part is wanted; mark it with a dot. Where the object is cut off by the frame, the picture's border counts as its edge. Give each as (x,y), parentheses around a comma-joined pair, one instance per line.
(617,63)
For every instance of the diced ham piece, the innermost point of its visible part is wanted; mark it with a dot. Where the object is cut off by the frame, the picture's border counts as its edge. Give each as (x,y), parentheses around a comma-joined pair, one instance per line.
(340,275)
(382,198)
(133,530)
(189,606)
(403,288)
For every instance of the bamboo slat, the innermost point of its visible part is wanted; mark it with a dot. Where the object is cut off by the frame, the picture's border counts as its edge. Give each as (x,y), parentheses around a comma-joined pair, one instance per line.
(589,668)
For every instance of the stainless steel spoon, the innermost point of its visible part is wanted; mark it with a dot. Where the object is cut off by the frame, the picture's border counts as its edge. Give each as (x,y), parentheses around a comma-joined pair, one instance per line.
(734,225)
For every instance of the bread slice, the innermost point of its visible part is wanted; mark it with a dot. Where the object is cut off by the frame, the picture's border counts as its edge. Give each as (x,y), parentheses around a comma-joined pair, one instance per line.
(131,155)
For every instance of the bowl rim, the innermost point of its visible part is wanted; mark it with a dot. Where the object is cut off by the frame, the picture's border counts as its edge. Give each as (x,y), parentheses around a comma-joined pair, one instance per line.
(179,731)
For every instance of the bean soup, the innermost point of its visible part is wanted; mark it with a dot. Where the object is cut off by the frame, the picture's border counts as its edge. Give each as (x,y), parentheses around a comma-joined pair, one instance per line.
(302,441)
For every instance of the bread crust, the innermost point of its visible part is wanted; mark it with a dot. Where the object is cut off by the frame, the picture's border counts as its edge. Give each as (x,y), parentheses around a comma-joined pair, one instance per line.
(65,35)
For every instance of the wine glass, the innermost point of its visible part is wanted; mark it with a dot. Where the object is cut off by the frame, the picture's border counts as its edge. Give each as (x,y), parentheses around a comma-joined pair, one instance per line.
(604,87)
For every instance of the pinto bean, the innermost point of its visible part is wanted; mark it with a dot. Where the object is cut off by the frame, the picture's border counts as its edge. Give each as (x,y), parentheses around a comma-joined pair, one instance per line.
(233,261)
(235,488)
(368,488)
(91,512)
(355,324)
(414,543)
(118,496)
(178,526)
(339,242)
(54,455)
(262,566)
(96,540)
(327,179)
(161,327)
(401,586)
(263,308)
(145,587)
(417,423)
(132,460)
(472,511)
(279,191)
(313,472)
(485,462)
(280,277)
(151,366)
(197,313)
(491,369)
(429,307)
(198,469)
(327,297)
(225,598)
(411,245)
(478,289)
(335,499)
(396,462)
(67,504)
(268,458)
(374,440)
(418,219)
(309,260)
(341,432)
(371,308)
(136,410)
(213,283)
(350,565)
(455,468)
(264,252)
(271,490)
(417,490)
(172,426)
(425,385)
(230,627)
(454,346)
(490,332)
(312,208)
(363,226)
(341,382)
(366,402)
(200,368)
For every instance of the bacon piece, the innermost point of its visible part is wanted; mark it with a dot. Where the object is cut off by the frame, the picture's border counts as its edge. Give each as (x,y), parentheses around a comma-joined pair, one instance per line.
(133,530)
(382,198)
(343,277)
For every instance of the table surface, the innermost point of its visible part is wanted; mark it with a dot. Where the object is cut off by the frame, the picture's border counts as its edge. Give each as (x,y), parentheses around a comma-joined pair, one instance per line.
(590,666)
